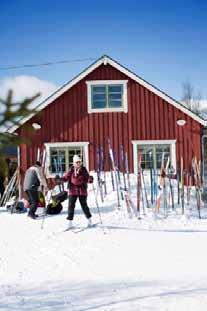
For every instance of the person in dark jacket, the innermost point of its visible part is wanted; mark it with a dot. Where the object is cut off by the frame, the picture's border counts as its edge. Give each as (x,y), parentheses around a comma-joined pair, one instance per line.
(33,180)
(2,187)
(77,178)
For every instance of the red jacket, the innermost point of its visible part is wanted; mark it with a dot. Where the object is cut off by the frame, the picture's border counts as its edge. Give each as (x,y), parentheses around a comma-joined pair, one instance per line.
(77,180)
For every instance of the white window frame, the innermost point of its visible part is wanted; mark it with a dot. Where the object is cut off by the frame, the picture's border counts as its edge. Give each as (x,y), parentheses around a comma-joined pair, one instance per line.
(171,142)
(79,144)
(124,108)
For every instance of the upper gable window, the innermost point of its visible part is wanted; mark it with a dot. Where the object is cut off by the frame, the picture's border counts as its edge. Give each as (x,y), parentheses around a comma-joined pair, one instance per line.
(107,96)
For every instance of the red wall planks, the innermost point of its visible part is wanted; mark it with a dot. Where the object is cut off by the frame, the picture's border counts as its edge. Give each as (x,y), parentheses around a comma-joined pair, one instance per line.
(149,117)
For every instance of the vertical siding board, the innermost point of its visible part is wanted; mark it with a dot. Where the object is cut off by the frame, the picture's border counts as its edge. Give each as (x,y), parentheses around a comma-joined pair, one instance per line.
(151,115)
(23,155)
(65,119)
(90,139)
(133,109)
(86,123)
(60,121)
(70,112)
(101,125)
(125,121)
(115,140)
(106,129)
(177,136)
(78,101)
(140,135)
(171,119)
(75,116)
(142,106)
(126,134)
(120,136)
(167,121)
(130,120)
(52,121)
(157,122)
(138,116)
(96,128)
(56,127)
(147,115)
(110,118)
(47,125)
(161,115)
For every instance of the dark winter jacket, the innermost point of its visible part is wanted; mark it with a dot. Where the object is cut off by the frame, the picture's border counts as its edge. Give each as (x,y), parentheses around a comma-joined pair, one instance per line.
(77,180)
(34,178)
(31,180)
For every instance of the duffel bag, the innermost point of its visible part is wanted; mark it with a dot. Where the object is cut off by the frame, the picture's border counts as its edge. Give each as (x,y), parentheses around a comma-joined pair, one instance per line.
(60,197)
(54,209)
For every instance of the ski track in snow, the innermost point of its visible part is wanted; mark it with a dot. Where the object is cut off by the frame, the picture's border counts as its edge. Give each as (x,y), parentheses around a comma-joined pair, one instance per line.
(128,264)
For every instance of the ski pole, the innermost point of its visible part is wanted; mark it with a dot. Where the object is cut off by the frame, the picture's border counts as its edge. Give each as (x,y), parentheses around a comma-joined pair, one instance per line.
(97,205)
(45,209)
(123,166)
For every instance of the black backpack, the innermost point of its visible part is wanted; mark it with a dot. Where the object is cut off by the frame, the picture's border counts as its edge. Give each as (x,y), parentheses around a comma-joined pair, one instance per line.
(56,207)
(17,207)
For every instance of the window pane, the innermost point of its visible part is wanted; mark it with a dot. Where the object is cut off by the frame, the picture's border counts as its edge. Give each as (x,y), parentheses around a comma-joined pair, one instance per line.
(57,160)
(115,88)
(99,104)
(147,156)
(115,96)
(99,89)
(115,103)
(160,151)
(98,96)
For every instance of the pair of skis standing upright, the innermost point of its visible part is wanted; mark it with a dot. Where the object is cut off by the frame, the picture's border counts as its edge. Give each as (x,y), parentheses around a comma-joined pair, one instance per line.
(123,190)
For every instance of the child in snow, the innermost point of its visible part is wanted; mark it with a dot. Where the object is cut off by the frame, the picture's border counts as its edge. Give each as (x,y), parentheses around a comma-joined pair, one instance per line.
(77,178)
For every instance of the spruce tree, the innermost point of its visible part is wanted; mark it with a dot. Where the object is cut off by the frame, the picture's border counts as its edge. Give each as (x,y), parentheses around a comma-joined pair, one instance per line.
(10,115)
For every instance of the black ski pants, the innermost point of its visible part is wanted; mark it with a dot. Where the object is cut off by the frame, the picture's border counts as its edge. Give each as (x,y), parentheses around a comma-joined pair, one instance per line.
(2,188)
(33,199)
(83,203)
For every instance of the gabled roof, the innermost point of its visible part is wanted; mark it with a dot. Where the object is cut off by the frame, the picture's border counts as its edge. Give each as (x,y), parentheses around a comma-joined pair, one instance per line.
(108,60)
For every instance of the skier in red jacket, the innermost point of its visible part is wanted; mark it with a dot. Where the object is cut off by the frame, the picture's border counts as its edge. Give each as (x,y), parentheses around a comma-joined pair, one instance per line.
(77,178)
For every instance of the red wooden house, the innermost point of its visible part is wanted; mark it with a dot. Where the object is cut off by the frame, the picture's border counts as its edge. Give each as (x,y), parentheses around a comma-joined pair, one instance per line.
(104,101)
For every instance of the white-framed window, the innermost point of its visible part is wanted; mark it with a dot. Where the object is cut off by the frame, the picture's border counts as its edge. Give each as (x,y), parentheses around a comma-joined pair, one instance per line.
(107,96)
(59,156)
(152,152)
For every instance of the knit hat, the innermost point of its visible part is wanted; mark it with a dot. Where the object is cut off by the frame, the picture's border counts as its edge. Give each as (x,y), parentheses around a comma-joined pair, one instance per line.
(76,158)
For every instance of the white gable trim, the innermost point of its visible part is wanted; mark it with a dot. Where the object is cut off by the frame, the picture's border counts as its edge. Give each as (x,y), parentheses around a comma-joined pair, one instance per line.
(107,60)
(157,91)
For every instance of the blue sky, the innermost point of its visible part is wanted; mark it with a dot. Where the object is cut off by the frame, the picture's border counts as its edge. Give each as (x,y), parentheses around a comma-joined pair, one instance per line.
(162,41)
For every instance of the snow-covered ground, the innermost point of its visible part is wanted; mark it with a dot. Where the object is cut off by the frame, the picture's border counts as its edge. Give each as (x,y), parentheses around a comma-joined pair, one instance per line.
(126,264)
